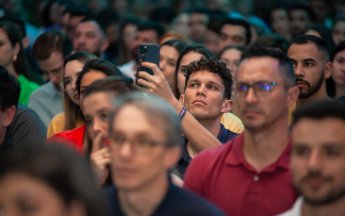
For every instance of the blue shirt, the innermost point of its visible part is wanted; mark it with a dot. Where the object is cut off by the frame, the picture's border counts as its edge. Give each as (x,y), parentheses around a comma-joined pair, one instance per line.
(177,202)
(224,136)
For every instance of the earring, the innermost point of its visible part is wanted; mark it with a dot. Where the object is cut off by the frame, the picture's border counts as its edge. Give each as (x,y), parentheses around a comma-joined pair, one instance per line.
(14,58)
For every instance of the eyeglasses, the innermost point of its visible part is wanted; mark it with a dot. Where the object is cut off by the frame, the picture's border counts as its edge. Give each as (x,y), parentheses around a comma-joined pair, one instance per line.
(140,146)
(261,89)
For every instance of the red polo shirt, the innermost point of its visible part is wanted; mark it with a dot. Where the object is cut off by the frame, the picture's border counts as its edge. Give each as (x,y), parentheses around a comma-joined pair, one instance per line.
(223,176)
(72,138)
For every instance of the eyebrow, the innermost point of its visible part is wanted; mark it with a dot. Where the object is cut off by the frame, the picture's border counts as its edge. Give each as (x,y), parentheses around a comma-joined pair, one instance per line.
(57,68)
(309,59)
(103,109)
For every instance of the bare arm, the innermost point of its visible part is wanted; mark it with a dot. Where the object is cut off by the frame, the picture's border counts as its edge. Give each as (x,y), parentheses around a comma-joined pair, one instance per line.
(197,135)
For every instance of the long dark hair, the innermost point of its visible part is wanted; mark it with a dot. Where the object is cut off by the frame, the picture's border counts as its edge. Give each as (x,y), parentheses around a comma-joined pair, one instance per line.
(14,35)
(98,65)
(330,84)
(198,48)
(73,113)
(61,168)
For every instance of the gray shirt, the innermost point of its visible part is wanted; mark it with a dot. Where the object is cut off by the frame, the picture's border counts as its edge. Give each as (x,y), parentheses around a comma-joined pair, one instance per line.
(26,127)
(46,101)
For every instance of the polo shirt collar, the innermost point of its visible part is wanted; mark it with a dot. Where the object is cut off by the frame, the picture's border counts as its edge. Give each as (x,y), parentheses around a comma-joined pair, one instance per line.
(236,157)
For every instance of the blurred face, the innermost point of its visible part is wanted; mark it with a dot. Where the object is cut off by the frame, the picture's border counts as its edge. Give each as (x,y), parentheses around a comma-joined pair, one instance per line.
(6,50)
(53,66)
(280,21)
(232,35)
(88,79)
(231,57)
(89,37)
(338,72)
(212,41)
(320,8)
(300,21)
(186,59)
(72,71)
(96,110)
(309,66)
(204,96)
(258,111)
(167,63)
(338,32)
(197,27)
(128,35)
(136,163)
(72,23)
(24,195)
(318,160)
(112,33)
(145,36)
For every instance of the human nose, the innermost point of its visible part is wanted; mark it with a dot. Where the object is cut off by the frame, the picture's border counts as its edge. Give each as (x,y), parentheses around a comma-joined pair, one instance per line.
(202,90)
(315,161)
(299,71)
(162,65)
(251,96)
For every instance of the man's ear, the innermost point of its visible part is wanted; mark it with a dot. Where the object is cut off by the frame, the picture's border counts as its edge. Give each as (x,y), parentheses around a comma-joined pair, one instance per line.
(181,99)
(105,45)
(328,70)
(227,106)
(9,115)
(293,94)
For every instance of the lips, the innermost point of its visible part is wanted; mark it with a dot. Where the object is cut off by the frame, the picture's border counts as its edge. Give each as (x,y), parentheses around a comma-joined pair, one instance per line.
(76,96)
(199,102)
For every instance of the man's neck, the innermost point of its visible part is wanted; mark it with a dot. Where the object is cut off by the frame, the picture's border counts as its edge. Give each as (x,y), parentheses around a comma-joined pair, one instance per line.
(319,95)
(335,209)
(339,90)
(2,135)
(264,146)
(211,125)
(144,201)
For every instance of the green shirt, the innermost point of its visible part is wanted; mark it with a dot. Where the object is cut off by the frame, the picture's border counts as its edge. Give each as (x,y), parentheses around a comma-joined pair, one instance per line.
(26,88)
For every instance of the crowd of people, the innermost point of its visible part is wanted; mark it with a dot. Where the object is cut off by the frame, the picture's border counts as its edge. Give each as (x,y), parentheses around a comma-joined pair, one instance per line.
(244,114)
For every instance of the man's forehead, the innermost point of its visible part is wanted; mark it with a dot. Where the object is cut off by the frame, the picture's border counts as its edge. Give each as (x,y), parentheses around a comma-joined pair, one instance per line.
(148,33)
(205,76)
(233,29)
(258,66)
(305,51)
(89,25)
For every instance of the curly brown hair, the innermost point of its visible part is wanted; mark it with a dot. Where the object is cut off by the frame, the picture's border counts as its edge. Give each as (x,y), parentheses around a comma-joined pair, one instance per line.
(213,66)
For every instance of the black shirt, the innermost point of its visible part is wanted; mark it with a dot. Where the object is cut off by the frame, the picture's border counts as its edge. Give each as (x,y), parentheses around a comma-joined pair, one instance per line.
(177,202)
(5,145)
(224,136)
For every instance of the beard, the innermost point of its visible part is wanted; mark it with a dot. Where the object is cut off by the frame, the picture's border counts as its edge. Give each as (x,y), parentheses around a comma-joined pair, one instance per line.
(330,196)
(312,89)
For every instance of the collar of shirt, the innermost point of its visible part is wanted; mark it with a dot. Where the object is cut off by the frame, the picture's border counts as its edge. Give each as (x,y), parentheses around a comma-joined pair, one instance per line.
(222,137)
(236,157)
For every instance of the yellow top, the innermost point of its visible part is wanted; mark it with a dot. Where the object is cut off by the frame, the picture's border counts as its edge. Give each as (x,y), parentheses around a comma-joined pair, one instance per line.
(57,123)
(291,110)
(232,122)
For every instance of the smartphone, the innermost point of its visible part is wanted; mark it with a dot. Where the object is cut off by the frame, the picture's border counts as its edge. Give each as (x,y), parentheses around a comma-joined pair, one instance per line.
(151,54)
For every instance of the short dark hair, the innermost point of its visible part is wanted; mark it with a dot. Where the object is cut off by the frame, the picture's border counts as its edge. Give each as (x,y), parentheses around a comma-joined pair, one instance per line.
(98,65)
(152,25)
(213,66)
(320,43)
(272,40)
(286,68)
(9,89)
(116,84)
(50,41)
(108,17)
(301,6)
(240,22)
(59,167)
(319,110)
(200,10)
(97,21)
(81,11)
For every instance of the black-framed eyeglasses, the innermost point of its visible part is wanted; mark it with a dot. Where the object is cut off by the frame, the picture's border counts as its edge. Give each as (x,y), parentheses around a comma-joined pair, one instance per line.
(261,89)
(140,146)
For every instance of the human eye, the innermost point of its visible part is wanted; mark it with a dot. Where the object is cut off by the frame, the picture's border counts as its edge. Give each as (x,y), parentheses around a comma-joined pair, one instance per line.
(308,64)
(88,122)
(331,151)
(193,85)
(142,142)
(104,116)
(263,87)
(301,151)
(82,91)
(28,208)
(119,139)
(212,87)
